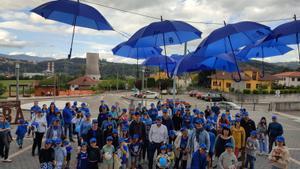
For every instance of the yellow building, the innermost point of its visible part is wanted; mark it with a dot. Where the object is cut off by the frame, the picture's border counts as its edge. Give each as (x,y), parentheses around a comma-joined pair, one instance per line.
(251,80)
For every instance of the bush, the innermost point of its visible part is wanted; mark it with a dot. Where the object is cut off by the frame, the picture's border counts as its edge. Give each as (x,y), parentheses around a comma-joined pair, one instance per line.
(265,92)
(272,92)
(2,89)
(246,91)
(255,92)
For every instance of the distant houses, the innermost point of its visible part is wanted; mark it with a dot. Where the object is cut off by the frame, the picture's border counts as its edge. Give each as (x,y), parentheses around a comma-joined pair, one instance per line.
(289,79)
(82,83)
(252,80)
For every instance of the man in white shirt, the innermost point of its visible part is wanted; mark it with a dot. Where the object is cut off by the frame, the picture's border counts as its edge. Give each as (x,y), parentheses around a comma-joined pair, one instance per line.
(158,135)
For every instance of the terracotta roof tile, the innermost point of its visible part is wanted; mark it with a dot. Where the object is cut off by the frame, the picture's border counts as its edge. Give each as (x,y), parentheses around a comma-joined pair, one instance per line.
(83,81)
(288,74)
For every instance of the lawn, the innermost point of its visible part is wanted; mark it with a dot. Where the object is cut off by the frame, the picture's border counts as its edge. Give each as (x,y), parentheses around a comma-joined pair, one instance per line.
(8,82)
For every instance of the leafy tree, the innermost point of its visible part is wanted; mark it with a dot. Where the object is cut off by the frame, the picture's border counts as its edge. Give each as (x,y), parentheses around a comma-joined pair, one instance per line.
(2,89)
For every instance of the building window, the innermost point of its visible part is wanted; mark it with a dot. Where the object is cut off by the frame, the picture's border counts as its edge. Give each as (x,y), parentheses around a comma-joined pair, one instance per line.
(215,83)
(248,85)
(254,75)
(293,79)
(298,79)
(228,85)
(257,86)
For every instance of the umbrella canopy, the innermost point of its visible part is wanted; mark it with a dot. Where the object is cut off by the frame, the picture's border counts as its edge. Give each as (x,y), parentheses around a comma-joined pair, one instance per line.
(222,62)
(232,37)
(263,51)
(287,33)
(159,60)
(125,50)
(73,13)
(164,33)
(189,63)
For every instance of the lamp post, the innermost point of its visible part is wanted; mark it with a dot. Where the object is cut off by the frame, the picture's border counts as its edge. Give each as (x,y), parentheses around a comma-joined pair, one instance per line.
(17,80)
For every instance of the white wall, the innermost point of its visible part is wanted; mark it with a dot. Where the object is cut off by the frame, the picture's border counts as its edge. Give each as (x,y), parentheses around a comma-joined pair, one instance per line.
(288,81)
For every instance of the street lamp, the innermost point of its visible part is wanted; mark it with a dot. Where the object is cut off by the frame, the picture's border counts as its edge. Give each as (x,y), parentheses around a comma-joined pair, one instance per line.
(17,80)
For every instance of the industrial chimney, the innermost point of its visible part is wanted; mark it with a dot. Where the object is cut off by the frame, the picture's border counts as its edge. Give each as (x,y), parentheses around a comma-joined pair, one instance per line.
(92,66)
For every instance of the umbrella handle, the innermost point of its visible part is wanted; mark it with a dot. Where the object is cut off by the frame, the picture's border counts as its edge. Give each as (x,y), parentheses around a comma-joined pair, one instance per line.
(262,64)
(239,78)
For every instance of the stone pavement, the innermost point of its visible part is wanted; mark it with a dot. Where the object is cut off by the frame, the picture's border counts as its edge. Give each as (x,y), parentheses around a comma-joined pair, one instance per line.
(22,159)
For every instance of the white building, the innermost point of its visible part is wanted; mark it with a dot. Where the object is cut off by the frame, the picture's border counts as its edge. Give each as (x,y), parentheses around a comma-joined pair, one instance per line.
(289,78)
(30,75)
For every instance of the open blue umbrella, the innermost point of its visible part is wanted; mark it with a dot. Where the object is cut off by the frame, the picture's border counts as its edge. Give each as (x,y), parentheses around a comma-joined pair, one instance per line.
(159,61)
(232,37)
(164,33)
(222,62)
(73,13)
(287,33)
(189,63)
(263,50)
(125,50)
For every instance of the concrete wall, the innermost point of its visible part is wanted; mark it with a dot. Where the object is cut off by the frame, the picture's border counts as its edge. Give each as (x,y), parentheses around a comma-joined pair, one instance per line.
(287,106)
(92,66)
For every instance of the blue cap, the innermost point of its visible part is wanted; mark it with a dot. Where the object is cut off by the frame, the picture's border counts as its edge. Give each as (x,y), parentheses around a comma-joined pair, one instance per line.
(115,131)
(203,146)
(109,138)
(237,115)
(223,115)
(56,119)
(137,113)
(124,110)
(75,103)
(246,113)
(201,112)
(113,107)
(95,121)
(169,146)
(199,121)
(125,129)
(93,140)
(88,114)
(196,111)
(274,117)
(58,141)
(66,142)
(48,141)
(163,147)
(152,104)
(208,127)
(158,118)
(237,120)
(165,111)
(280,139)
(83,104)
(253,133)
(136,136)
(109,115)
(84,143)
(225,126)
(102,101)
(229,145)
(121,140)
(21,121)
(183,129)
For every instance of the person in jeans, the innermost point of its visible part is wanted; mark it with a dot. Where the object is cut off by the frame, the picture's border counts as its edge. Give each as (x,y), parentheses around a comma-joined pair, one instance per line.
(5,138)
(274,130)
(262,131)
(68,115)
(251,147)
(39,126)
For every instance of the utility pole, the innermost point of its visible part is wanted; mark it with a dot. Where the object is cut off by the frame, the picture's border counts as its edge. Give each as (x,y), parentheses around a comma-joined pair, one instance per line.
(17,80)
(117,80)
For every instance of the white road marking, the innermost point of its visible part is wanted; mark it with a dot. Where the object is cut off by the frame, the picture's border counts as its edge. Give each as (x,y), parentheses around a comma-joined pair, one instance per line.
(20,152)
(295,161)
(294,149)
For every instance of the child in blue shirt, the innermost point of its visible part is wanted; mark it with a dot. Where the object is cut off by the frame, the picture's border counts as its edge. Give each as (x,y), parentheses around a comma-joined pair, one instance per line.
(199,158)
(135,151)
(123,153)
(82,157)
(21,132)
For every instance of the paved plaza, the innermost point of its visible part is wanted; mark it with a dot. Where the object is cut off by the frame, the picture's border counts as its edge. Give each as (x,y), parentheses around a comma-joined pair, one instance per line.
(22,159)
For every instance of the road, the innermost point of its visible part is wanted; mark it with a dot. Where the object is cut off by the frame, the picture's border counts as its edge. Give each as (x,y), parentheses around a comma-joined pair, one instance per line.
(22,159)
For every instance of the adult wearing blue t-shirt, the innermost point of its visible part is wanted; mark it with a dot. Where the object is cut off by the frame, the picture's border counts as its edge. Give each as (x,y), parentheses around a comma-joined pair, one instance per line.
(35,108)
(215,109)
(68,114)
(153,112)
(5,138)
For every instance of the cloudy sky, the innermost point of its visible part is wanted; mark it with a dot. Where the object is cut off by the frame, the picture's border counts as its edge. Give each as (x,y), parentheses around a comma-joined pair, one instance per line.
(22,32)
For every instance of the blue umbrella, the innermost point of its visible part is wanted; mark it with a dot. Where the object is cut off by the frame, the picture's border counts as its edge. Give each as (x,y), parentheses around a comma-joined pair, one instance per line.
(73,13)
(164,33)
(159,61)
(223,62)
(189,63)
(287,33)
(232,37)
(125,50)
(262,50)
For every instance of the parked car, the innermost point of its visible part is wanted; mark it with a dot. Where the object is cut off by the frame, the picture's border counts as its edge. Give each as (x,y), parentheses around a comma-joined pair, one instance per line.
(228,105)
(150,95)
(193,93)
(164,92)
(135,92)
(213,97)
(171,91)
(199,95)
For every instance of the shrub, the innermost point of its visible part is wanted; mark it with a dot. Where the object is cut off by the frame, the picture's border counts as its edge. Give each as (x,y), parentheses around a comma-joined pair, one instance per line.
(265,92)
(246,91)
(272,92)
(255,92)
(2,89)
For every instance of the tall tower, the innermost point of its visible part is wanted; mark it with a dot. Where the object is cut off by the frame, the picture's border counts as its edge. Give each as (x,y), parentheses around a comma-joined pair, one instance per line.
(92,66)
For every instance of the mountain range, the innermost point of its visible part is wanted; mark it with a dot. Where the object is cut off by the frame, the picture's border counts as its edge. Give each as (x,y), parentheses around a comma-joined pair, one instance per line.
(24,57)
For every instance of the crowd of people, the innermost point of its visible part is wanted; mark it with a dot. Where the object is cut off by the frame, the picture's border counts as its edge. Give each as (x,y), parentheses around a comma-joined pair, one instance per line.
(165,135)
